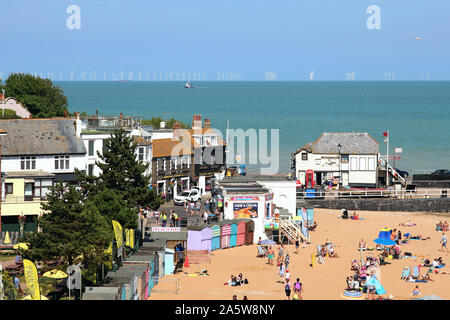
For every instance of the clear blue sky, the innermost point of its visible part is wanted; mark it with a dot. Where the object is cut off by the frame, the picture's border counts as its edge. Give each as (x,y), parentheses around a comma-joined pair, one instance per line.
(289,37)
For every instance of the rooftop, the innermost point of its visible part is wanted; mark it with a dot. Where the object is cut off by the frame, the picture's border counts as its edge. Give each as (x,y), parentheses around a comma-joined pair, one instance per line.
(40,137)
(169,148)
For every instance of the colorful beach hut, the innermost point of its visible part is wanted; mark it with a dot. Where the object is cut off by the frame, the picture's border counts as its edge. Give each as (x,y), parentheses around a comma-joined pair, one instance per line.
(225,235)
(206,239)
(194,240)
(215,240)
(240,233)
(233,236)
(249,230)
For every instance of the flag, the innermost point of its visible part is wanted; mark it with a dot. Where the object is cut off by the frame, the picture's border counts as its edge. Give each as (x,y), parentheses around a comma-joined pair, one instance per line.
(385,133)
(31,277)
(119,236)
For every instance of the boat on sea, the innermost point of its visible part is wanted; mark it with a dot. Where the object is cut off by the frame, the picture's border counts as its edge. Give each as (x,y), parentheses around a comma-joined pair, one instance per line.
(188,85)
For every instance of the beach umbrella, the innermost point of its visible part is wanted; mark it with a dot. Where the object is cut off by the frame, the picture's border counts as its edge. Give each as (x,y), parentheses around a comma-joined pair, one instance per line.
(267,242)
(23,246)
(384,238)
(55,274)
(7,238)
(29,297)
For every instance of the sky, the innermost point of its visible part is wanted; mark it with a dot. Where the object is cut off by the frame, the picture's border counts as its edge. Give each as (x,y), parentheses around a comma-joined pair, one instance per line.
(289,38)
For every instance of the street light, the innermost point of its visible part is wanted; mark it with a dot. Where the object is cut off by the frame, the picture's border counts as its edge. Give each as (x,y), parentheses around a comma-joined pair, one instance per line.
(340,173)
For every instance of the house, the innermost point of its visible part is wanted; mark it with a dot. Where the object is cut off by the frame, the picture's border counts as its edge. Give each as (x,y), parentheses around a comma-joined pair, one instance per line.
(257,198)
(350,158)
(48,145)
(93,131)
(172,167)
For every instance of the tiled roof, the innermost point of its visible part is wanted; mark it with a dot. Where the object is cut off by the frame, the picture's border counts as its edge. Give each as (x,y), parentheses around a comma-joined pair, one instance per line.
(169,147)
(141,141)
(40,137)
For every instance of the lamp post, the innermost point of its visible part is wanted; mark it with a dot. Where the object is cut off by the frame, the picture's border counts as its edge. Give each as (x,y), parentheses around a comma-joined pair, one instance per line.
(340,170)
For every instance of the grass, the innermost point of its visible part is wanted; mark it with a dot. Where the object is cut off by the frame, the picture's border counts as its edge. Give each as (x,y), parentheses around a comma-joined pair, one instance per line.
(8,114)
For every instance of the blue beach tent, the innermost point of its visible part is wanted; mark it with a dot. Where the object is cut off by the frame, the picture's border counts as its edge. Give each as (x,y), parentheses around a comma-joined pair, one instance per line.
(384,238)
(373,281)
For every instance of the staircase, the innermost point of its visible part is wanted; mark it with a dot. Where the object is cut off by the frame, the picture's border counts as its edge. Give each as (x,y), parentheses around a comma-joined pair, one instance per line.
(291,230)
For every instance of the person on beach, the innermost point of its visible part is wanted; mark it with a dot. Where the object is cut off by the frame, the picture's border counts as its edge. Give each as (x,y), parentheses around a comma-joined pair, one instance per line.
(280,253)
(287,260)
(287,290)
(297,245)
(282,269)
(298,288)
(444,241)
(416,291)
(288,276)
(270,255)
(362,244)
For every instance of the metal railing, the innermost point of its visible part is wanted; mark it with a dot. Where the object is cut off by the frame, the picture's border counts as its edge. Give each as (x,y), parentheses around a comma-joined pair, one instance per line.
(355,194)
(291,228)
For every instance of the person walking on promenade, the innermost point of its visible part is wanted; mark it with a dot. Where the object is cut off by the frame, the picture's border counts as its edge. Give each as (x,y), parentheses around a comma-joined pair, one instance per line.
(164,218)
(198,206)
(205,217)
(207,205)
(287,290)
(444,241)
(186,206)
(175,219)
(191,204)
(270,255)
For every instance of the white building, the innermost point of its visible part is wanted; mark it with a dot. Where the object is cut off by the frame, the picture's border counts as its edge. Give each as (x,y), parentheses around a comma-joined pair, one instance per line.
(257,198)
(349,157)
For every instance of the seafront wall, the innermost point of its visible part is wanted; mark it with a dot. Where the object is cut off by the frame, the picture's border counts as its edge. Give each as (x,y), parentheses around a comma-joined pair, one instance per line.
(441,205)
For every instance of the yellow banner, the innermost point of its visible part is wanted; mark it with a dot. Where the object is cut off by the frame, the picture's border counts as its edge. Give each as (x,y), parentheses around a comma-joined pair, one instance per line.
(132,238)
(31,277)
(127,237)
(119,233)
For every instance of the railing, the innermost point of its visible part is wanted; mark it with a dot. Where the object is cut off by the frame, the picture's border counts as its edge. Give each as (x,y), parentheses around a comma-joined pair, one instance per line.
(291,228)
(11,199)
(355,194)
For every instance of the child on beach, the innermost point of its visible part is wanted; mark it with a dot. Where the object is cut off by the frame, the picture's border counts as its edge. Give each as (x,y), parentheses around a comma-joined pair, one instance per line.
(282,269)
(287,260)
(298,288)
(270,255)
(297,245)
(416,291)
(444,242)
(288,276)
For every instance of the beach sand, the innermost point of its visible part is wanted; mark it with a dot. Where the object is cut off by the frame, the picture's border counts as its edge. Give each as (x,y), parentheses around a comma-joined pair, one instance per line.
(323,281)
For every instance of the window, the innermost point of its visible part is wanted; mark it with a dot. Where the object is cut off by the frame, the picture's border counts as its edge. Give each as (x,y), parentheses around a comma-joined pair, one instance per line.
(160,164)
(141,154)
(45,188)
(29,191)
(354,164)
(91,147)
(27,163)
(185,162)
(372,164)
(91,169)
(8,188)
(173,163)
(62,162)
(304,156)
(362,163)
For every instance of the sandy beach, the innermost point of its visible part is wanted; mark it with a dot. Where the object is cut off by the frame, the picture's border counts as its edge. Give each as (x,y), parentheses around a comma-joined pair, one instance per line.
(323,281)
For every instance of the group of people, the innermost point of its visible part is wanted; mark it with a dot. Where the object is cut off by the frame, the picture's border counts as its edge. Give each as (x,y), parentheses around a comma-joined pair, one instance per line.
(171,220)
(326,250)
(345,215)
(442,226)
(237,281)
(194,208)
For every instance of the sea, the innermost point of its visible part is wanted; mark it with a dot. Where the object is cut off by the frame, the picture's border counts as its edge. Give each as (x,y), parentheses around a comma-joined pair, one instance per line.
(416,113)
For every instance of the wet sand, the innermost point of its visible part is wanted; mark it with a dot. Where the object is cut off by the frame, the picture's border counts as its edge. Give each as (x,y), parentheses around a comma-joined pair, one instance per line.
(323,281)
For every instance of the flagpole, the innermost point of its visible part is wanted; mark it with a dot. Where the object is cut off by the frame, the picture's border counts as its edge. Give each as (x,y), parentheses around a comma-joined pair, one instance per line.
(387,159)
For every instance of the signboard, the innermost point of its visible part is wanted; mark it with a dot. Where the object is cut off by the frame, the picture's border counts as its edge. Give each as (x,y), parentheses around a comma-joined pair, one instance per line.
(398,150)
(245,210)
(271,225)
(244,199)
(166,229)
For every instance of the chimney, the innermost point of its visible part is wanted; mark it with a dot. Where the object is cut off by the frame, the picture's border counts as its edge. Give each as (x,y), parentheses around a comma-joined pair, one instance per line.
(77,125)
(207,124)
(197,122)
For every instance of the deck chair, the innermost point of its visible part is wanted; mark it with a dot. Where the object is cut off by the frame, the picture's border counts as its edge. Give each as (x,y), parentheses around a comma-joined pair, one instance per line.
(405,273)
(415,272)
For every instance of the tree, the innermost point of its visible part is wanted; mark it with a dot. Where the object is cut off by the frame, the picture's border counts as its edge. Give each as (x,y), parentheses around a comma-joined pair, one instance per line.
(156,122)
(70,228)
(122,172)
(38,95)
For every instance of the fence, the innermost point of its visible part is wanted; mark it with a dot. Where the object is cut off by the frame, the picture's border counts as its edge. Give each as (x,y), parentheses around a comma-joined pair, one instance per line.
(364,194)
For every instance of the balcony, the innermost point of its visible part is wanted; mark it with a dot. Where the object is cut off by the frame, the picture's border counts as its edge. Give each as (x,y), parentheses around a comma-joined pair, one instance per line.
(12,199)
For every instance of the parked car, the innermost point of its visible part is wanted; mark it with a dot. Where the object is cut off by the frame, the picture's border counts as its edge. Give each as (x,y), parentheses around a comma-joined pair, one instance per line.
(188,195)
(441,174)
(402,173)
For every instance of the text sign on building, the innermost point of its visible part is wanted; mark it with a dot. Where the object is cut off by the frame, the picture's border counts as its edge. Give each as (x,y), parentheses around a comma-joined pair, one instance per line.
(398,150)
(166,229)
(244,199)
